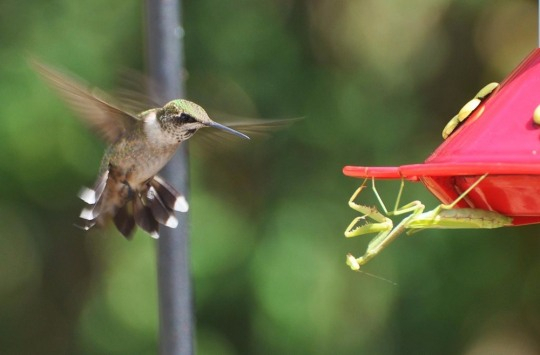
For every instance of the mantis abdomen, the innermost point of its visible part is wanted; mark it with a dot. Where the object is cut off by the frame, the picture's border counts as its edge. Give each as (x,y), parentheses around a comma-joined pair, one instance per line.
(459,218)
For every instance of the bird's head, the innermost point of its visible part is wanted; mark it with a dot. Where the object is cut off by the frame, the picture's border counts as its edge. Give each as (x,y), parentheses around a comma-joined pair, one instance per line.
(182,118)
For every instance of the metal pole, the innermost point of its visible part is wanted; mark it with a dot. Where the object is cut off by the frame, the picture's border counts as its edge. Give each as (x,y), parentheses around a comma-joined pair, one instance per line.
(165,58)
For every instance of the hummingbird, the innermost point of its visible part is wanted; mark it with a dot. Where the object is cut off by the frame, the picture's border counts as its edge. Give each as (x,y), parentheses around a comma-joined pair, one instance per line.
(128,189)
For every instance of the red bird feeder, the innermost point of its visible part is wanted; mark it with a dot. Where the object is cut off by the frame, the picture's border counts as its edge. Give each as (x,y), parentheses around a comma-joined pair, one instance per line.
(499,138)
(499,142)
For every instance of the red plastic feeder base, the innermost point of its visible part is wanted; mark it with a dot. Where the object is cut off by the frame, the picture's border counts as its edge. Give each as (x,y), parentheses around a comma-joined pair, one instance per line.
(501,139)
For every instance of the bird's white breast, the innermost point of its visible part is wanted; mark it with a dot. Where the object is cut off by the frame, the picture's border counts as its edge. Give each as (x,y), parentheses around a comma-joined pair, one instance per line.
(152,129)
(155,133)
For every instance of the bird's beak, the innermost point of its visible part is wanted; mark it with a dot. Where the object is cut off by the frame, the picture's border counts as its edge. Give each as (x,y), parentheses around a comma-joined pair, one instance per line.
(227,129)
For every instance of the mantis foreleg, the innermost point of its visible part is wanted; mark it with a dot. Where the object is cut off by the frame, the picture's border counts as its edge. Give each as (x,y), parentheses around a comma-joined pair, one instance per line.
(384,227)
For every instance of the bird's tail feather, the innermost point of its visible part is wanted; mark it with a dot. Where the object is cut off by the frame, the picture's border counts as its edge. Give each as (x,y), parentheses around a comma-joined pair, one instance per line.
(124,221)
(148,208)
(144,218)
(170,197)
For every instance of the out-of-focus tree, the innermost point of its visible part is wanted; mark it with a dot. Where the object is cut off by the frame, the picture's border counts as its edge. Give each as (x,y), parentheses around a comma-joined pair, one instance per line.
(375,82)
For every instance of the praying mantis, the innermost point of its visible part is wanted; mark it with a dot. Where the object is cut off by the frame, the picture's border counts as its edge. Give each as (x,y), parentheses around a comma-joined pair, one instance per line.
(444,216)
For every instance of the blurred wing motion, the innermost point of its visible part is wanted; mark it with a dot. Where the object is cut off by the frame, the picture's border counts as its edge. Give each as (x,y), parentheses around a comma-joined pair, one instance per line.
(91,105)
(261,127)
(253,127)
(110,121)
(136,92)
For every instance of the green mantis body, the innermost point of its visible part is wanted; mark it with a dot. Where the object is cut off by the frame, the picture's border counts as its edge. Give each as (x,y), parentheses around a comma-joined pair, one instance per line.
(443,216)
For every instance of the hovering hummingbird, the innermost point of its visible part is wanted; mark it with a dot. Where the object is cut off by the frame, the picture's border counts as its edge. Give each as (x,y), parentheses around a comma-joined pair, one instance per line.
(128,189)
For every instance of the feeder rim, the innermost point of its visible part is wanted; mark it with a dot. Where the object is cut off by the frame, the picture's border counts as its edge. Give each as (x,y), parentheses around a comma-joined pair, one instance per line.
(415,172)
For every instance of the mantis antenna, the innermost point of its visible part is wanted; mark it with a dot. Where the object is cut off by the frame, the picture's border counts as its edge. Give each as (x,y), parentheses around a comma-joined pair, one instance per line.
(378,277)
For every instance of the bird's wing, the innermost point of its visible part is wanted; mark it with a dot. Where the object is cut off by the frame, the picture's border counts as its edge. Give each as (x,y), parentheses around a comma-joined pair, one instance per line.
(261,126)
(252,127)
(92,105)
(136,92)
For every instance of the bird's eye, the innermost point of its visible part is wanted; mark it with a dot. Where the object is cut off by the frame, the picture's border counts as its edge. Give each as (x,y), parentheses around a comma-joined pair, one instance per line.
(185,118)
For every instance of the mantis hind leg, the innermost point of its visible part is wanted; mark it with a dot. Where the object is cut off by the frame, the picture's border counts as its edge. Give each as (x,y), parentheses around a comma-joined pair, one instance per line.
(463,195)
(487,216)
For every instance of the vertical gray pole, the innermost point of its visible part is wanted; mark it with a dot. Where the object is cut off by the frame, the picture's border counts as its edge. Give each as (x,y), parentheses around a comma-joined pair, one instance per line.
(165,58)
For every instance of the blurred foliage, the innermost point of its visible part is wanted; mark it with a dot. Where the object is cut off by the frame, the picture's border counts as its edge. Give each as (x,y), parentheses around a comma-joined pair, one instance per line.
(375,80)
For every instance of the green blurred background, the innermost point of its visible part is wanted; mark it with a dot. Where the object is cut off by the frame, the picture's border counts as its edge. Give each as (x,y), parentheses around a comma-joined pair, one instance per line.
(376,81)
